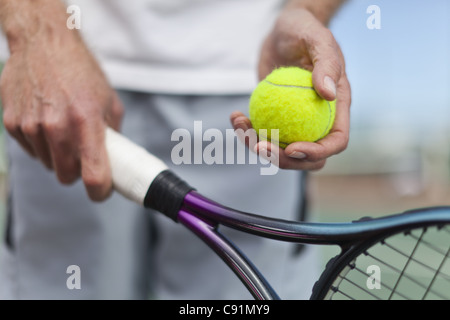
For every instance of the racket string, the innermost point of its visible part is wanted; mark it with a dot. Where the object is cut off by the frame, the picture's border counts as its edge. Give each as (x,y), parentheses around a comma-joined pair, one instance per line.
(336,290)
(444,260)
(423,264)
(406,265)
(364,274)
(378,282)
(422,273)
(356,285)
(402,275)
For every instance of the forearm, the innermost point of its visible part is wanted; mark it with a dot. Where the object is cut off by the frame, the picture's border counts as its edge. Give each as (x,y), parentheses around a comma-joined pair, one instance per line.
(323,10)
(38,20)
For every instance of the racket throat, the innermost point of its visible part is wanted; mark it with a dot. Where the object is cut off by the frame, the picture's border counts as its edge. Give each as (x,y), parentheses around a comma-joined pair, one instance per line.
(166,194)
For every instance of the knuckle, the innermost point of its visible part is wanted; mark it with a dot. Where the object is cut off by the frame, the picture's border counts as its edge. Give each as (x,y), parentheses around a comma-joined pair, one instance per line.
(330,53)
(94,180)
(117,106)
(318,165)
(10,122)
(78,117)
(84,109)
(318,155)
(67,172)
(327,35)
(30,127)
(335,68)
(345,139)
(52,125)
(314,157)
(118,111)
(97,186)
(346,142)
(332,67)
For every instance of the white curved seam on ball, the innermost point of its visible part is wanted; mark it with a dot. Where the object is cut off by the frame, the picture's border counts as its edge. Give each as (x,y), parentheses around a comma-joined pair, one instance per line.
(329,122)
(288,85)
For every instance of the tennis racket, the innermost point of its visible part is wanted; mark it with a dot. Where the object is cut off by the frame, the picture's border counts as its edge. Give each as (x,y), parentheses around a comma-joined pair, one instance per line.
(402,256)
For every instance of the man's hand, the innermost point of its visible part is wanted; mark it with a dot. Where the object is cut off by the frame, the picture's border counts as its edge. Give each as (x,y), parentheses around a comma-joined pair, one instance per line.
(300,39)
(56,100)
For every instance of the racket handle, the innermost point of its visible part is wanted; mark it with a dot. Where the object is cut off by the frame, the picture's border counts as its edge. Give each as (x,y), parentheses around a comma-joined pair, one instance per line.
(133,168)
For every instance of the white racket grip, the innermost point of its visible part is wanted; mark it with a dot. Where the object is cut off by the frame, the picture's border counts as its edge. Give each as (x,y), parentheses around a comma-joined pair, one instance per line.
(133,168)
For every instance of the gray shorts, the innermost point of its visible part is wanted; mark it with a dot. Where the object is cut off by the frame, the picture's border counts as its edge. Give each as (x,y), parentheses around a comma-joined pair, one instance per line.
(122,251)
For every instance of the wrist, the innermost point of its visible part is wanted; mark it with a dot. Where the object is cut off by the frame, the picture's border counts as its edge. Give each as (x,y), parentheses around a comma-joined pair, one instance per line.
(27,22)
(322,10)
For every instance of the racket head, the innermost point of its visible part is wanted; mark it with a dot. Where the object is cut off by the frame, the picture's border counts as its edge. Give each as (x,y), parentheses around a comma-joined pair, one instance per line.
(409,264)
(144,179)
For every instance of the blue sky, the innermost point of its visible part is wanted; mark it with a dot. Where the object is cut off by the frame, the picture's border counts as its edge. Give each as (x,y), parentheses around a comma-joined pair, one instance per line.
(400,74)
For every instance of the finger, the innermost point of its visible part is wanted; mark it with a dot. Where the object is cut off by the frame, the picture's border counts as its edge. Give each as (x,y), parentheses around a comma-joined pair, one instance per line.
(16,133)
(328,65)
(95,166)
(31,127)
(244,130)
(12,125)
(337,140)
(240,121)
(115,113)
(332,144)
(14,99)
(65,162)
(278,157)
(34,134)
(303,165)
(23,142)
(62,148)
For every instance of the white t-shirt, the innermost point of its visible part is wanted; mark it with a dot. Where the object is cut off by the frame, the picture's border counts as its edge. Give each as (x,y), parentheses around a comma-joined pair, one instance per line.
(178,46)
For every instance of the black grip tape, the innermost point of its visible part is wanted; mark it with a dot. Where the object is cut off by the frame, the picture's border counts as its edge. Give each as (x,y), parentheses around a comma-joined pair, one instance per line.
(166,194)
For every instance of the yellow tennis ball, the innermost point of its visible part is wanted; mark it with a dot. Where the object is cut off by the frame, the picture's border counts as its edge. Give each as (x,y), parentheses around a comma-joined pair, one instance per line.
(286,100)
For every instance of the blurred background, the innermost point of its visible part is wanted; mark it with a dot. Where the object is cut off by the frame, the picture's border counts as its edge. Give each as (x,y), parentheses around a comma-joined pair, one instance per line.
(398,157)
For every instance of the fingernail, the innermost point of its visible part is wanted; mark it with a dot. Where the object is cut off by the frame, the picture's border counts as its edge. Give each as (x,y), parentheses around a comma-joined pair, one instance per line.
(297,155)
(330,85)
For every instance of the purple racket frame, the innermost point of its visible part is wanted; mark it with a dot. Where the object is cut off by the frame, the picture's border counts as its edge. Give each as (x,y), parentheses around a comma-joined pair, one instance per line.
(145,179)
(203,217)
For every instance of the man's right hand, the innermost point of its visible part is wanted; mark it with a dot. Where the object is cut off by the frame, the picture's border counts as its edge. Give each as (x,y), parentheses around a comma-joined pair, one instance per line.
(56,100)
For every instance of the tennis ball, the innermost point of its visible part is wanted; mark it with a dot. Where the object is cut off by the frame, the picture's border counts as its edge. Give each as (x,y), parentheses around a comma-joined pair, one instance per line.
(286,100)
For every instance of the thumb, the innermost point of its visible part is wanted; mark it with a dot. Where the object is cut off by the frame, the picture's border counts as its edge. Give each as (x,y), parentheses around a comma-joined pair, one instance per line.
(327,70)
